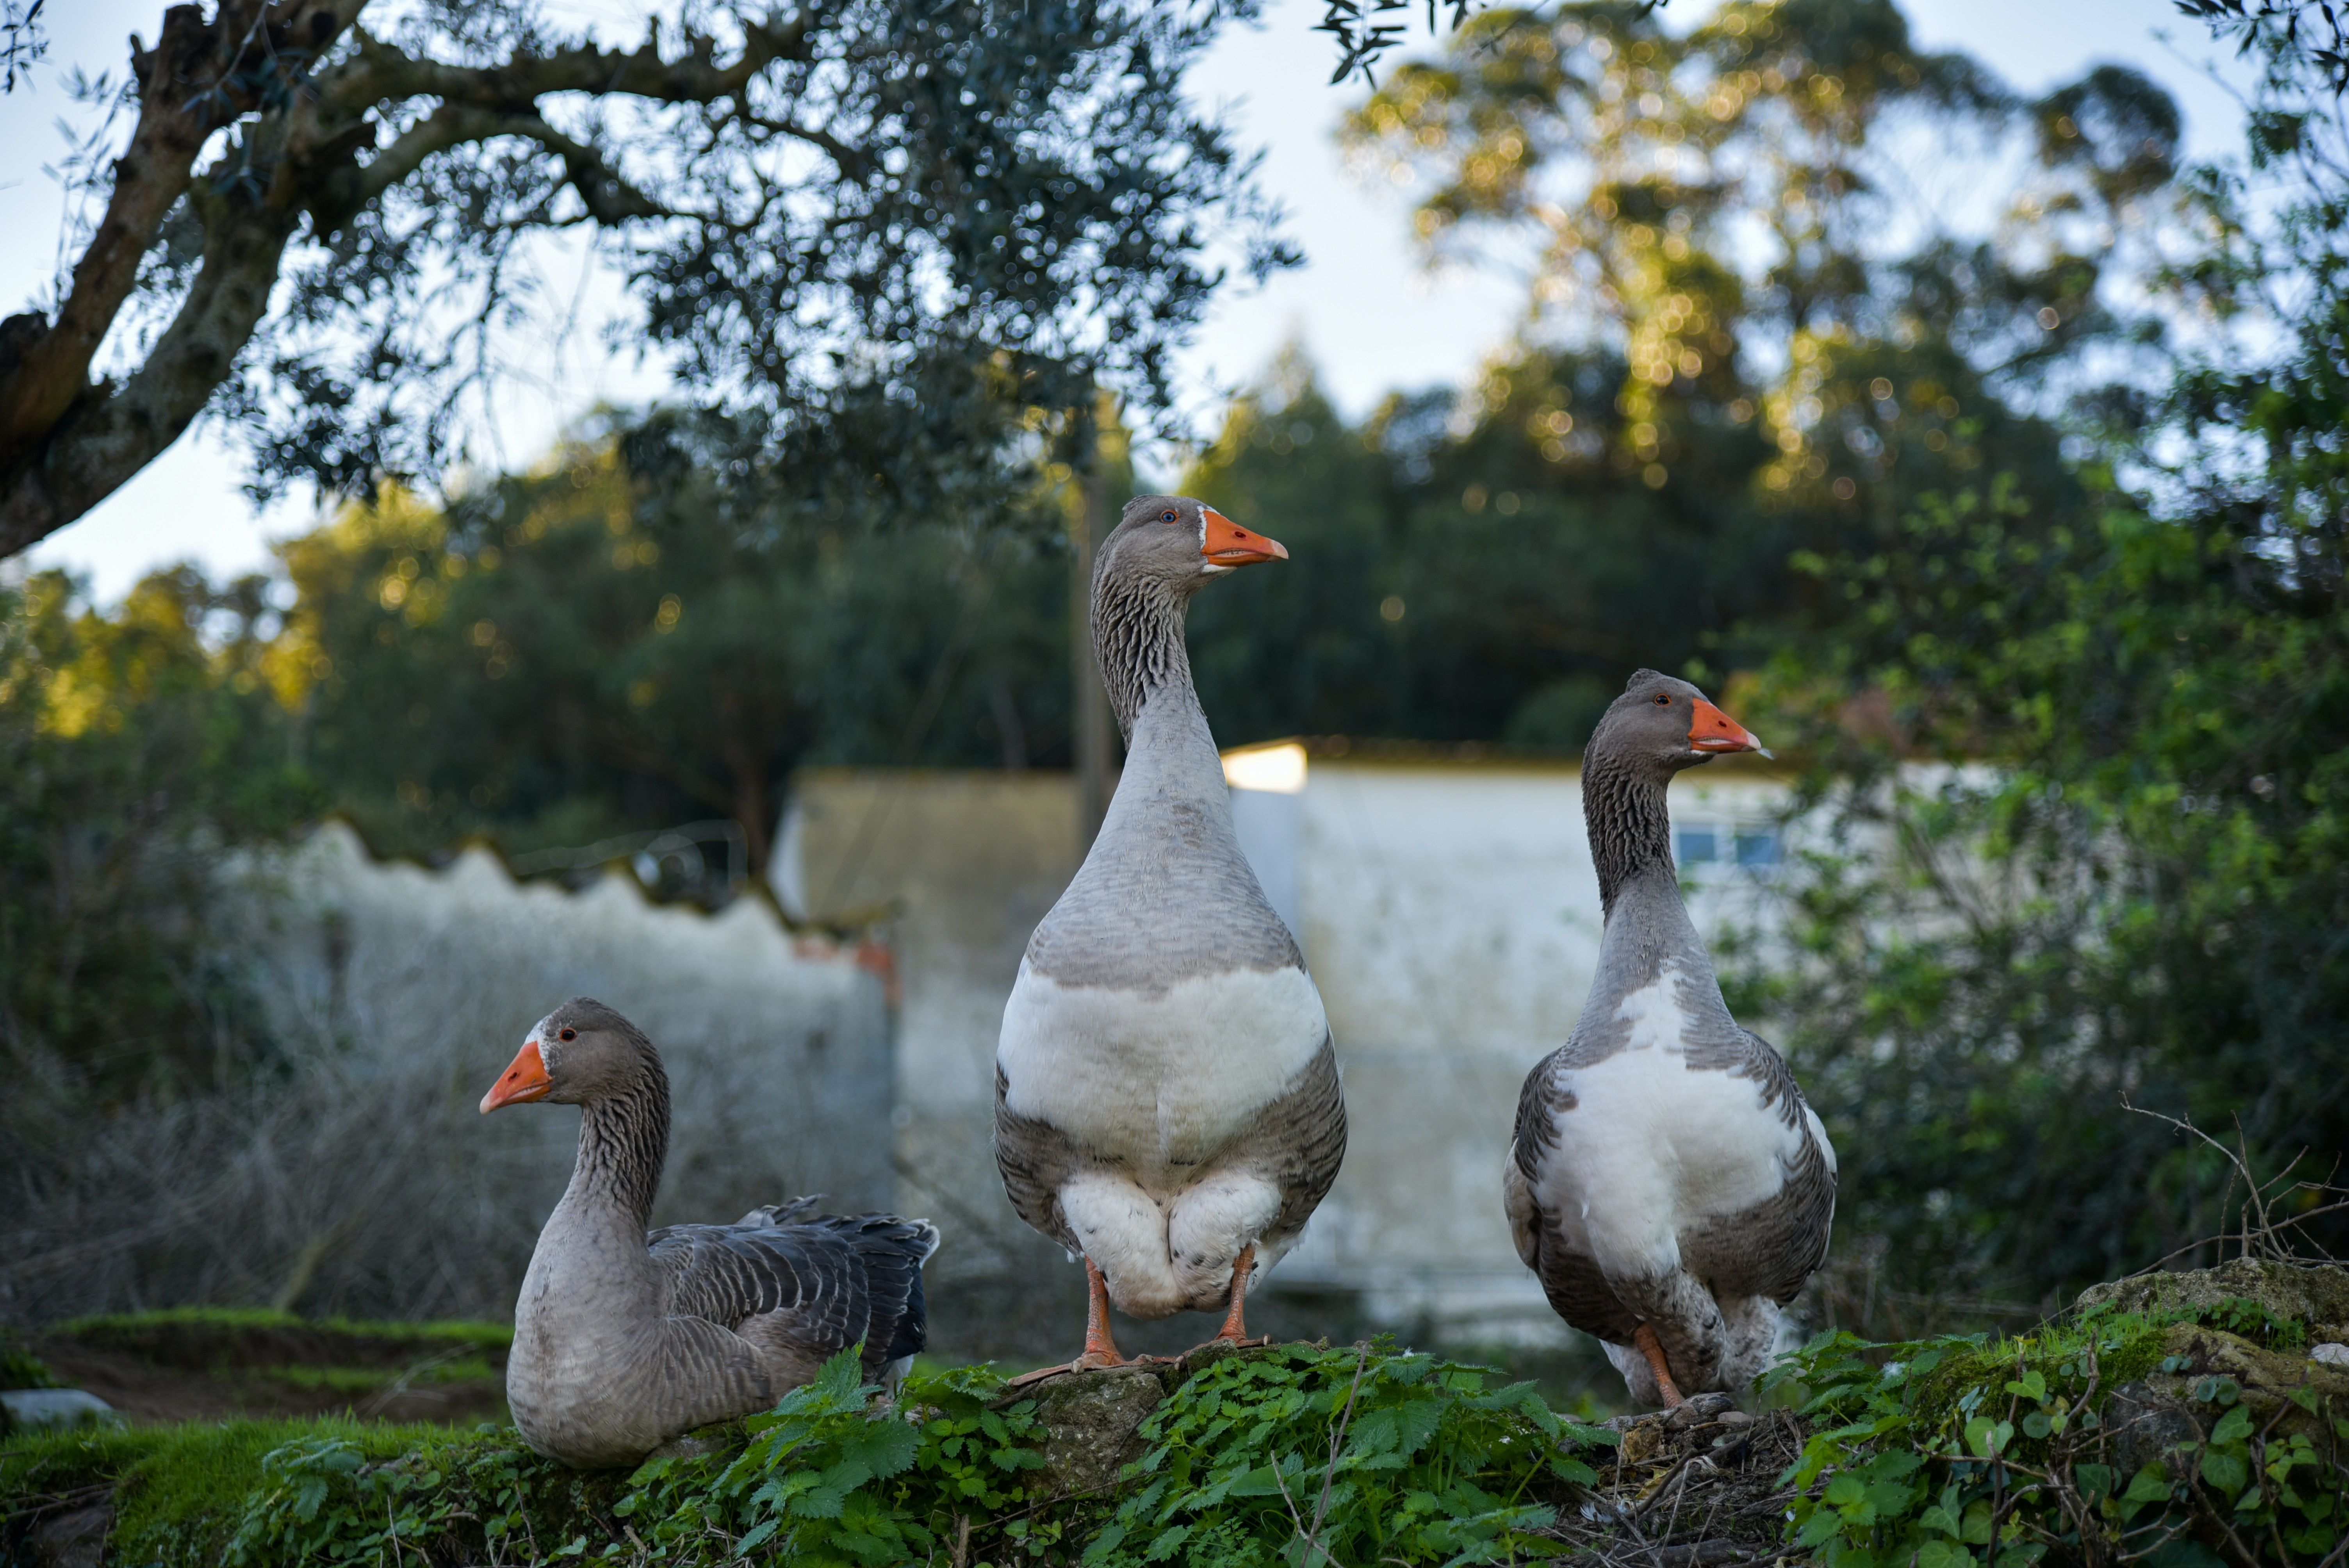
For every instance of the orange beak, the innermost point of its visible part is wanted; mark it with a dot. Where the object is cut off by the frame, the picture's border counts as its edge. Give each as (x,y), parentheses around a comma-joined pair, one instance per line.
(1715,731)
(1229,544)
(525,1081)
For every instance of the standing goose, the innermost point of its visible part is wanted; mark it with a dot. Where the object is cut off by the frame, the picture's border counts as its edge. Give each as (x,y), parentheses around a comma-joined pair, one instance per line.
(622,1340)
(1167,1098)
(1666,1182)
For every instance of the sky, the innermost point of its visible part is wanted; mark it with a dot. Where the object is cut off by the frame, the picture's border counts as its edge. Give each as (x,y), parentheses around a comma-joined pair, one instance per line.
(1363,307)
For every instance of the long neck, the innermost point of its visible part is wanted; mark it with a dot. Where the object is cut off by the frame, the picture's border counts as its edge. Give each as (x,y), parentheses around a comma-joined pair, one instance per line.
(1138,638)
(623,1143)
(1630,829)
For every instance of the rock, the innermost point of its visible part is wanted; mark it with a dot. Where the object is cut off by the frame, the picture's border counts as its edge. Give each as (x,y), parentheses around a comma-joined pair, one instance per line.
(1089,1423)
(43,1409)
(2145,1424)
(76,1540)
(2312,1294)
(1699,1409)
(1089,1418)
(2149,1415)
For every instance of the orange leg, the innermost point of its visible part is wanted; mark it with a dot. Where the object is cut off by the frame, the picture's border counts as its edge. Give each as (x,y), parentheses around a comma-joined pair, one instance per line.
(1654,1349)
(1234,1328)
(1101,1350)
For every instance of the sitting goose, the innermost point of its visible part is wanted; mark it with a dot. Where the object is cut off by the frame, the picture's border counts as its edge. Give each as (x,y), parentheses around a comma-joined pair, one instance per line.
(622,1340)
(1166,1097)
(1667,1180)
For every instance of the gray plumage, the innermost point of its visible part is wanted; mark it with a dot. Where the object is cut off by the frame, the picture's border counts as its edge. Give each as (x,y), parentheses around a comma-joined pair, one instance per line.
(1119,1106)
(1617,1206)
(624,1338)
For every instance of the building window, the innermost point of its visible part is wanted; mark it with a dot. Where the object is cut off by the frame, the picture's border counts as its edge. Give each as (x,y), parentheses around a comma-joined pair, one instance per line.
(1698,845)
(1758,847)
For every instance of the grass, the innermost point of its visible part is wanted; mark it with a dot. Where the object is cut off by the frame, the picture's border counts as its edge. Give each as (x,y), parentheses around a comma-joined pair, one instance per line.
(2005,1452)
(232,1320)
(180,1489)
(366,1380)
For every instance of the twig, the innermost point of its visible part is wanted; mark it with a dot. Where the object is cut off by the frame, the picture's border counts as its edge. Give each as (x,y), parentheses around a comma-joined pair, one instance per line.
(1329,1475)
(2258,1222)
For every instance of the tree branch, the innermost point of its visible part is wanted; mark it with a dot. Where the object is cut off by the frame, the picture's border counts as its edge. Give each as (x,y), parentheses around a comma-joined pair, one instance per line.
(383,73)
(110,434)
(50,370)
(67,444)
(609,198)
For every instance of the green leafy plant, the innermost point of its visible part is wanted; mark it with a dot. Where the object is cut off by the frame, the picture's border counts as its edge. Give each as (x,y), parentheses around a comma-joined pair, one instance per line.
(1306,1456)
(1962,1450)
(19,1368)
(1297,1455)
(825,1479)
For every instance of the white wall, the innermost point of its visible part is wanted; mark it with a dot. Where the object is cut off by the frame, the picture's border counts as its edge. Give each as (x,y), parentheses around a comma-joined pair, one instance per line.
(777,1045)
(1450,915)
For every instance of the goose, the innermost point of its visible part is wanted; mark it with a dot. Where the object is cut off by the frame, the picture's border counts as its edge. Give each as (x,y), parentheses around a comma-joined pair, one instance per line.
(624,1339)
(1166,1095)
(1668,1182)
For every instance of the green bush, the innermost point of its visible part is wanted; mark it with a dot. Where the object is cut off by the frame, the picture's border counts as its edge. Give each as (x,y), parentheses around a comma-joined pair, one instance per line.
(1379,1454)
(1968,1450)
(19,1368)
(1305,1455)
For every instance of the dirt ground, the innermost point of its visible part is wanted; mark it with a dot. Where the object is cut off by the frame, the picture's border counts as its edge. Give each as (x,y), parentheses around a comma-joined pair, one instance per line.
(155,1372)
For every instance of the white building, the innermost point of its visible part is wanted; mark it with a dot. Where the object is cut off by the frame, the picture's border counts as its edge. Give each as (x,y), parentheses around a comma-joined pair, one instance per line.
(1448,907)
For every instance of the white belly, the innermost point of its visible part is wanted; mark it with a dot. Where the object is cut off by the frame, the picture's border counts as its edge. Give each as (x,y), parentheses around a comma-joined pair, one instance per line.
(1651,1146)
(1160,1080)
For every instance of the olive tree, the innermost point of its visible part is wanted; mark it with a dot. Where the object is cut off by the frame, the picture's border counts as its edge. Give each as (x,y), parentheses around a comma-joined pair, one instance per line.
(873,235)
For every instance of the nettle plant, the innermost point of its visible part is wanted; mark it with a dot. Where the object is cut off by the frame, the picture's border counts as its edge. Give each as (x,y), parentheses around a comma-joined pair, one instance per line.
(1368,1457)
(1966,1449)
(826,1478)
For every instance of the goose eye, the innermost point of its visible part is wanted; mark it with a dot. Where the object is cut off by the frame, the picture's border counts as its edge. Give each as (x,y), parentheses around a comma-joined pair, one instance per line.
(1662,701)
(569,1035)
(1168,517)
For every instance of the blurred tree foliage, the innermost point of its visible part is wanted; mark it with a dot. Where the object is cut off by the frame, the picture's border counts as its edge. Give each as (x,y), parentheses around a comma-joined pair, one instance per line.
(135,748)
(2144,894)
(609,643)
(1764,339)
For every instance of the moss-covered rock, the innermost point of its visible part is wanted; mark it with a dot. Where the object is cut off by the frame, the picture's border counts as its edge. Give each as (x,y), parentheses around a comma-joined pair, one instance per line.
(1091,1419)
(1095,1419)
(2176,1417)
(2313,1295)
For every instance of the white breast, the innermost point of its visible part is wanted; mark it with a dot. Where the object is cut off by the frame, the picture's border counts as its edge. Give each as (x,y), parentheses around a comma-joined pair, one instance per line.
(1651,1146)
(1162,1080)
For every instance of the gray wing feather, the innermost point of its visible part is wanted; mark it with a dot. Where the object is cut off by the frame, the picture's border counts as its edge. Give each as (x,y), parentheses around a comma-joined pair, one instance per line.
(1298,1142)
(1773,1248)
(814,1286)
(1576,1290)
(1034,1157)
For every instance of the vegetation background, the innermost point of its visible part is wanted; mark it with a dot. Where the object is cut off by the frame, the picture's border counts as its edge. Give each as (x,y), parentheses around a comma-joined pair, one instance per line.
(2035,538)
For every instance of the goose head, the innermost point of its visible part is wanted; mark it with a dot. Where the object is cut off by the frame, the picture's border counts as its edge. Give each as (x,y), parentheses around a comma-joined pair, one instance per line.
(580,1054)
(1182,543)
(1660,726)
